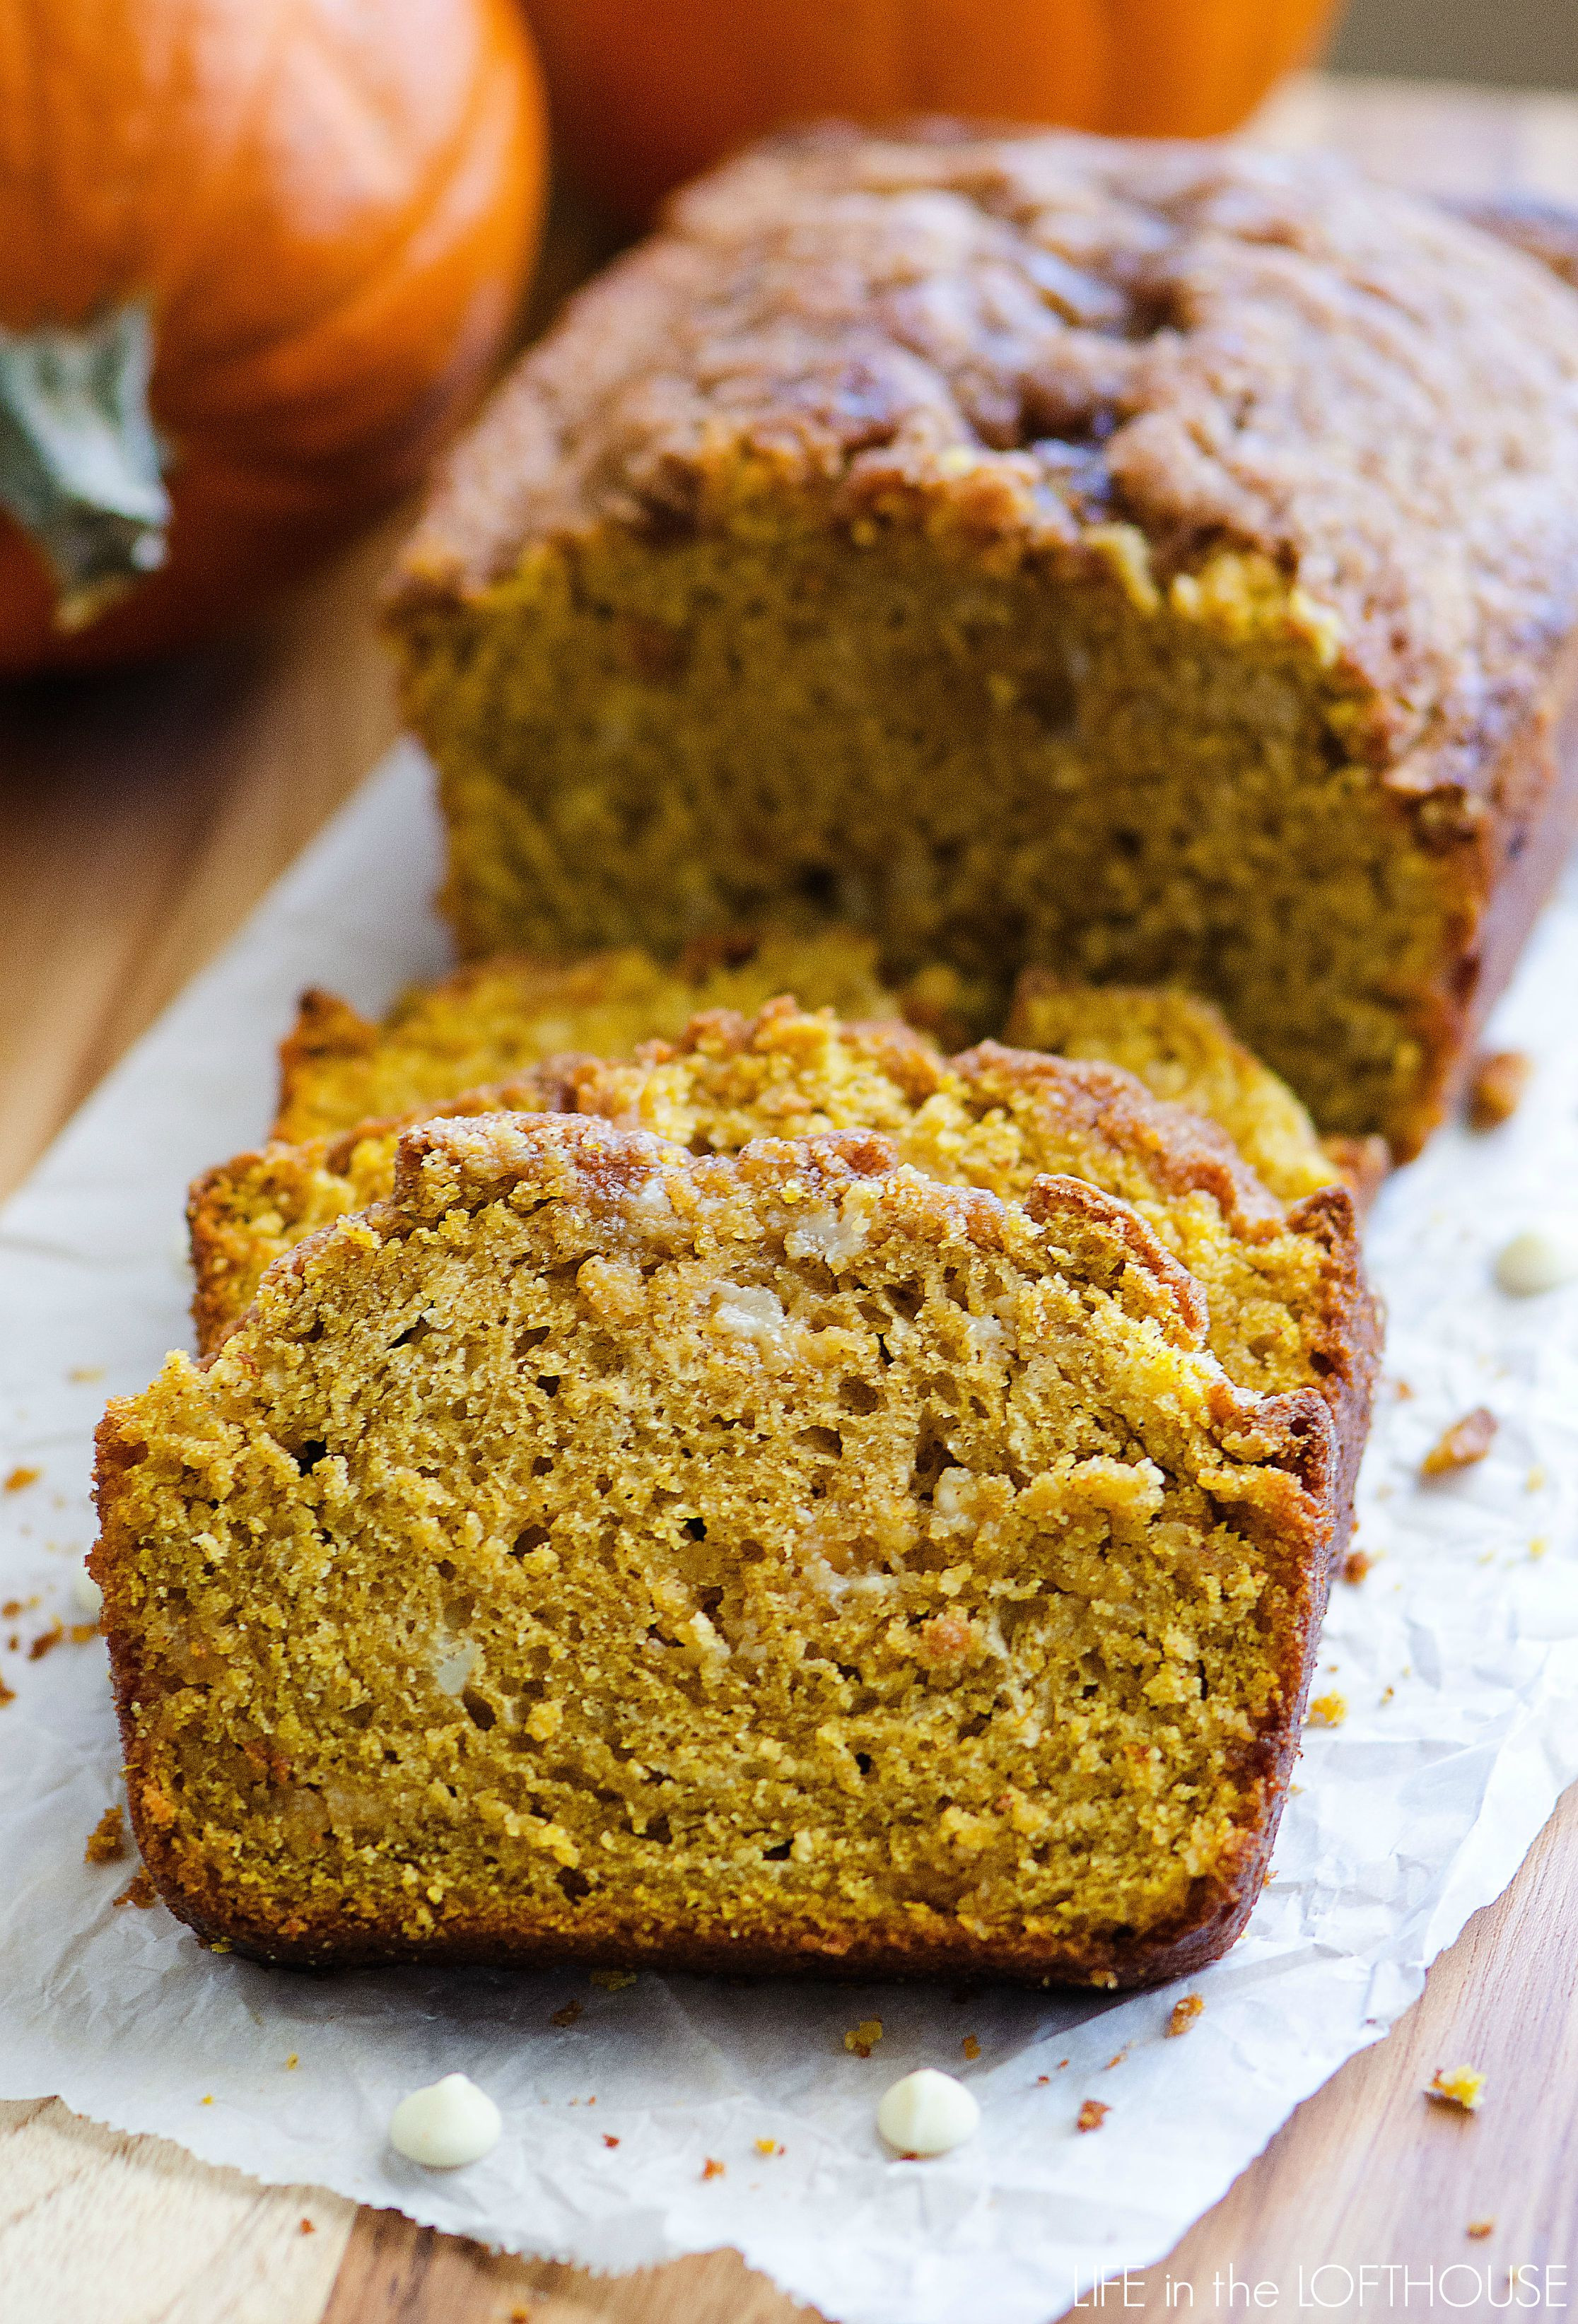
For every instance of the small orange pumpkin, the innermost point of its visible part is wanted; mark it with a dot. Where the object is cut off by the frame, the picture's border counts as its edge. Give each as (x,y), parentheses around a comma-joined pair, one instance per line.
(255,258)
(647,92)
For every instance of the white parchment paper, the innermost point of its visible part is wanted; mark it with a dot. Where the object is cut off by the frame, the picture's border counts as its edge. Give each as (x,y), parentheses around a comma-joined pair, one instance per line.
(1457,1659)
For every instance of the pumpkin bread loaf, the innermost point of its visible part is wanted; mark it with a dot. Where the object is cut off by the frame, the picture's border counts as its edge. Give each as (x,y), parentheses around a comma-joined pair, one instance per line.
(766,1561)
(1157,563)
(1288,1308)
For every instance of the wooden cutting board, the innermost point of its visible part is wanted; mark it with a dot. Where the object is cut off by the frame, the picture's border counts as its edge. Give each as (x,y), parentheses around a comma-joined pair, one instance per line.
(140,820)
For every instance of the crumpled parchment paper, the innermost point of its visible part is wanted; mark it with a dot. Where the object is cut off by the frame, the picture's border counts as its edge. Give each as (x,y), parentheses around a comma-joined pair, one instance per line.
(1457,1659)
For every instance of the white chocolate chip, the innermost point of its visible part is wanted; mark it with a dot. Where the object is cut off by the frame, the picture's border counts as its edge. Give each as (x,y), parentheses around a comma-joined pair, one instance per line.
(1540,1258)
(927,2113)
(449,2123)
(835,1237)
(85,1594)
(453,1669)
(755,1313)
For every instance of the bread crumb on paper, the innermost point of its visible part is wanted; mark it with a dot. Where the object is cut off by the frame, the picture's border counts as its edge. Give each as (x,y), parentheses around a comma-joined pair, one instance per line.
(1184,2014)
(106,1842)
(567,2015)
(971,2047)
(21,1478)
(1356,1566)
(862,2039)
(712,2168)
(1479,2229)
(1092,2115)
(1328,1711)
(613,1980)
(139,1891)
(1501,1079)
(1468,1440)
(1458,2086)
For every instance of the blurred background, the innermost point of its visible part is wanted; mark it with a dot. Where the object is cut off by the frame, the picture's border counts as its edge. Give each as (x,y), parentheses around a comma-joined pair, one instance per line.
(1511,45)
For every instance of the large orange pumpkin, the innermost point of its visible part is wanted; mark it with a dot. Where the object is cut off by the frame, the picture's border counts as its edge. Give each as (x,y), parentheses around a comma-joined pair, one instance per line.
(255,257)
(646,92)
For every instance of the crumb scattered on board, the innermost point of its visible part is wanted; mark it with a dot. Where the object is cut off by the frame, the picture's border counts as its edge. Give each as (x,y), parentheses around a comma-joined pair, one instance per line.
(1500,1077)
(1458,2086)
(862,2039)
(106,1842)
(1092,2115)
(1184,2012)
(1328,1711)
(1468,1440)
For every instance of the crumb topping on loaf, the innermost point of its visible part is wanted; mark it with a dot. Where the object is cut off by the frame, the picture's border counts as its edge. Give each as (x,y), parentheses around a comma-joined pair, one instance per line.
(1130,352)
(599,1551)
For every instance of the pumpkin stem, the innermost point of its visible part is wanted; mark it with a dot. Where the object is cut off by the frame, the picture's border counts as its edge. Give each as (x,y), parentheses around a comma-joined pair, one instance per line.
(79,462)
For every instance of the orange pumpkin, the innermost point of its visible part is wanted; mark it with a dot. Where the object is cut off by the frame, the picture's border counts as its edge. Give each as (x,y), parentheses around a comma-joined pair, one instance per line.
(646,92)
(255,258)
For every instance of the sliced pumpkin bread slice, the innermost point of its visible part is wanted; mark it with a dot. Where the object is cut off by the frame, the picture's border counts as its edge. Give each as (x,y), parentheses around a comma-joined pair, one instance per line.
(765,1561)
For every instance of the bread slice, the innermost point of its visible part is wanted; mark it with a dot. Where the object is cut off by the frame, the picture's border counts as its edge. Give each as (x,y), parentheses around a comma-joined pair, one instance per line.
(778,1560)
(497,1017)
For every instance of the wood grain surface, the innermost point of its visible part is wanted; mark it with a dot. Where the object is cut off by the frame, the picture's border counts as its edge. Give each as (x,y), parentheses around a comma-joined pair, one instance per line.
(141,817)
